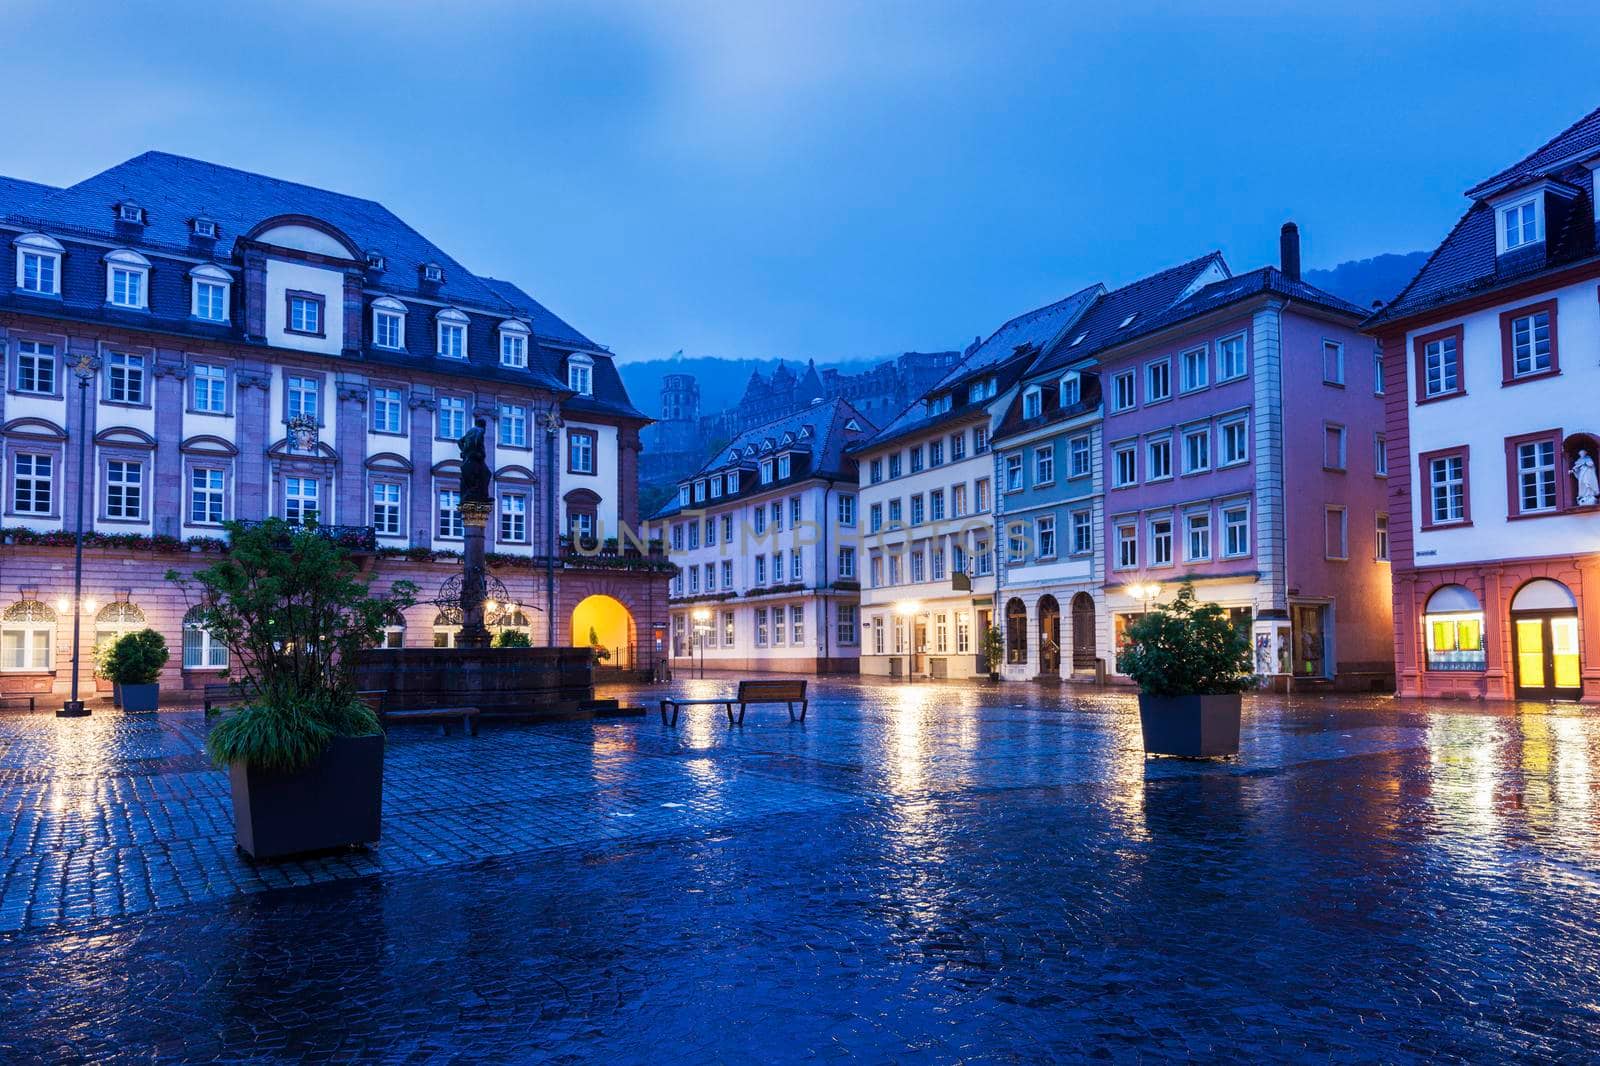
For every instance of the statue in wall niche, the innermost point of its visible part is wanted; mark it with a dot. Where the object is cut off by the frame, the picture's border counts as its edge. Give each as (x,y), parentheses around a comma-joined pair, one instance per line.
(474,470)
(1588,485)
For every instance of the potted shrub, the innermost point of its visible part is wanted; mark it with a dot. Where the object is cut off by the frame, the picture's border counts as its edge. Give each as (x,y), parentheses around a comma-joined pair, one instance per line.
(601,652)
(994,649)
(133,664)
(1190,663)
(512,638)
(305,754)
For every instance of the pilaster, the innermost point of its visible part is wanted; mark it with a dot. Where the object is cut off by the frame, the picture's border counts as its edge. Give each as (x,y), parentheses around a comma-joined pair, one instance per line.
(250,498)
(166,476)
(422,407)
(351,437)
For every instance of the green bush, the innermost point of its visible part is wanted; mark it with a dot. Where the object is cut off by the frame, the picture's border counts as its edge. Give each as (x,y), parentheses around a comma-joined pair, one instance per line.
(512,638)
(294,609)
(994,648)
(1188,648)
(134,658)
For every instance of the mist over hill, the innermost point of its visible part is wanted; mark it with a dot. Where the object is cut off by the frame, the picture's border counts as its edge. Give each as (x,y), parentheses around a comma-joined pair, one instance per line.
(722,381)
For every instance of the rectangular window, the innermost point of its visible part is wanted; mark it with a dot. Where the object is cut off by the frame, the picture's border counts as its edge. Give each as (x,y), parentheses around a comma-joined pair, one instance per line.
(936,505)
(386,508)
(1381,540)
(1032,403)
(894,465)
(1337,533)
(127,287)
(847,563)
(727,579)
(452,417)
(727,529)
(982,560)
(1082,532)
(1528,341)
(1127,546)
(1235,442)
(1197,538)
(1078,457)
(514,517)
(1230,358)
(36,367)
(39,273)
(1447,488)
(1122,394)
(452,340)
(1236,532)
(124,490)
(513,425)
(1125,465)
(916,459)
(1161,542)
(1158,381)
(875,518)
(958,500)
(937,564)
(1519,225)
(1016,541)
(513,350)
(1044,530)
(1536,476)
(210,301)
(958,447)
(761,570)
(580,376)
(1332,363)
(386,329)
(387,410)
(1013,473)
(305,314)
(1440,358)
(936,453)
(125,378)
(963,633)
(303,396)
(1044,465)
(1158,459)
(1380,455)
(209,388)
(580,451)
(894,514)
(980,495)
(1196,368)
(694,535)
(1379,382)
(794,511)
(796,565)
(33,484)
(301,496)
(876,470)
(845,629)
(450,514)
(783,466)
(797,624)
(1196,450)
(1333,446)
(205,497)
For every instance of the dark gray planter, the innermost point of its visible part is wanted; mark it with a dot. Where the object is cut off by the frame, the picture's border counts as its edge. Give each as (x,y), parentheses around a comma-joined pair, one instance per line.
(138,697)
(1194,727)
(334,803)
(116,695)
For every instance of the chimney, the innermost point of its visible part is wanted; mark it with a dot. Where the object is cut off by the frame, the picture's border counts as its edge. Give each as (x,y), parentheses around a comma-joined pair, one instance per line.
(1289,251)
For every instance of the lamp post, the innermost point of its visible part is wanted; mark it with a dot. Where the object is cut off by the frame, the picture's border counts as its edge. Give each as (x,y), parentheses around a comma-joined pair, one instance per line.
(84,370)
(701,618)
(1144,591)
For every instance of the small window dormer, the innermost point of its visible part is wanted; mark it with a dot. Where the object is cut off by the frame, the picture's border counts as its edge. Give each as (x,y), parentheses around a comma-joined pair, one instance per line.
(784,466)
(1071,389)
(514,339)
(699,490)
(1032,402)
(1519,219)
(388,324)
(580,374)
(130,213)
(683,495)
(433,273)
(732,480)
(376,262)
(38,264)
(452,334)
(209,289)
(203,227)
(127,279)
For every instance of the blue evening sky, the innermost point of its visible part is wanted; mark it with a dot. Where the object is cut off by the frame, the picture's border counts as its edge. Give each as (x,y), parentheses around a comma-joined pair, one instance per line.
(819,179)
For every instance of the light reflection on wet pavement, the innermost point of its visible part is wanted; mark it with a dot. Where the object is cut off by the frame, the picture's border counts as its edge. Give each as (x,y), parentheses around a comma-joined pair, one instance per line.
(917,873)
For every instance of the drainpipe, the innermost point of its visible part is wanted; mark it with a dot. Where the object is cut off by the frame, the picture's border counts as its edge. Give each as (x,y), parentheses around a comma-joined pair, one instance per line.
(822,574)
(552,430)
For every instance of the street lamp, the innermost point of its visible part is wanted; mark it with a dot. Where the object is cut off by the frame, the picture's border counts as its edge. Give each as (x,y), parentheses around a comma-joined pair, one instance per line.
(701,619)
(1144,591)
(84,370)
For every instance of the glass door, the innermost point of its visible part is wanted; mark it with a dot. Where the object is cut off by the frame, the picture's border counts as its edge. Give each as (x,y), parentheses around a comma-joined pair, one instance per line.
(1548,665)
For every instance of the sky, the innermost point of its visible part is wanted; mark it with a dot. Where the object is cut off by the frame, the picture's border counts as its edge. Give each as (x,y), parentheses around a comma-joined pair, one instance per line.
(819,179)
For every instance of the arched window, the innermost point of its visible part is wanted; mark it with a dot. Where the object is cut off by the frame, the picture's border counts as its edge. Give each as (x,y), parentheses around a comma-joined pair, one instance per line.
(27,637)
(394,631)
(1452,626)
(580,374)
(201,651)
(514,617)
(114,621)
(446,628)
(1016,632)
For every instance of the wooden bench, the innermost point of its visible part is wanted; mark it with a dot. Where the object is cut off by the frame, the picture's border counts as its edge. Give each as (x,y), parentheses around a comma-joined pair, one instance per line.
(15,702)
(785,692)
(467,716)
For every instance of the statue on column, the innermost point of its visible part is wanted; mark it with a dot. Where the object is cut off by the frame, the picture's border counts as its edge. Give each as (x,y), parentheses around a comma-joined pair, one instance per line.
(474,469)
(476,506)
(1588,485)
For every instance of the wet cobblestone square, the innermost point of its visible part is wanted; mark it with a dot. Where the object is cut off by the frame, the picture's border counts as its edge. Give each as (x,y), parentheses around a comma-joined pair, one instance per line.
(917,873)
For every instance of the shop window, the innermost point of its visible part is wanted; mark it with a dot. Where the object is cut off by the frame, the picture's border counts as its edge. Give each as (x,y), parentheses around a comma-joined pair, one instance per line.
(1453,630)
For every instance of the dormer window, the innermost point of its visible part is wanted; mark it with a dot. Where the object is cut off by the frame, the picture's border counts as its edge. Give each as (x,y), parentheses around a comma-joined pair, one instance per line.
(716,487)
(130,212)
(699,491)
(127,279)
(979,391)
(452,336)
(1128,321)
(432,273)
(766,471)
(514,344)
(208,295)
(683,496)
(940,404)
(203,227)
(39,264)
(376,261)
(783,466)
(388,323)
(1521,224)
(1032,402)
(1071,390)
(580,374)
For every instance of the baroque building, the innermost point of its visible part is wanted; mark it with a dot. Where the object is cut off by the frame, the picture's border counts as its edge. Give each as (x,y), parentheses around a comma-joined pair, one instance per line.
(1490,359)
(228,346)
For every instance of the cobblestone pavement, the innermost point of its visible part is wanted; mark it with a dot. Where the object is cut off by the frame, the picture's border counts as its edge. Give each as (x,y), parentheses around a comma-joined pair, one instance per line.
(919,873)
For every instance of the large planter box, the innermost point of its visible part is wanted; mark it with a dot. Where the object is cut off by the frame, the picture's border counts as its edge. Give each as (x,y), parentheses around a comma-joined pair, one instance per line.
(138,697)
(1194,727)
(336,802)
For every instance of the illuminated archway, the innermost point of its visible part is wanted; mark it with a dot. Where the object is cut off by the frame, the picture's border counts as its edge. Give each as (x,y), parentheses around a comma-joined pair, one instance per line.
(604,621)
